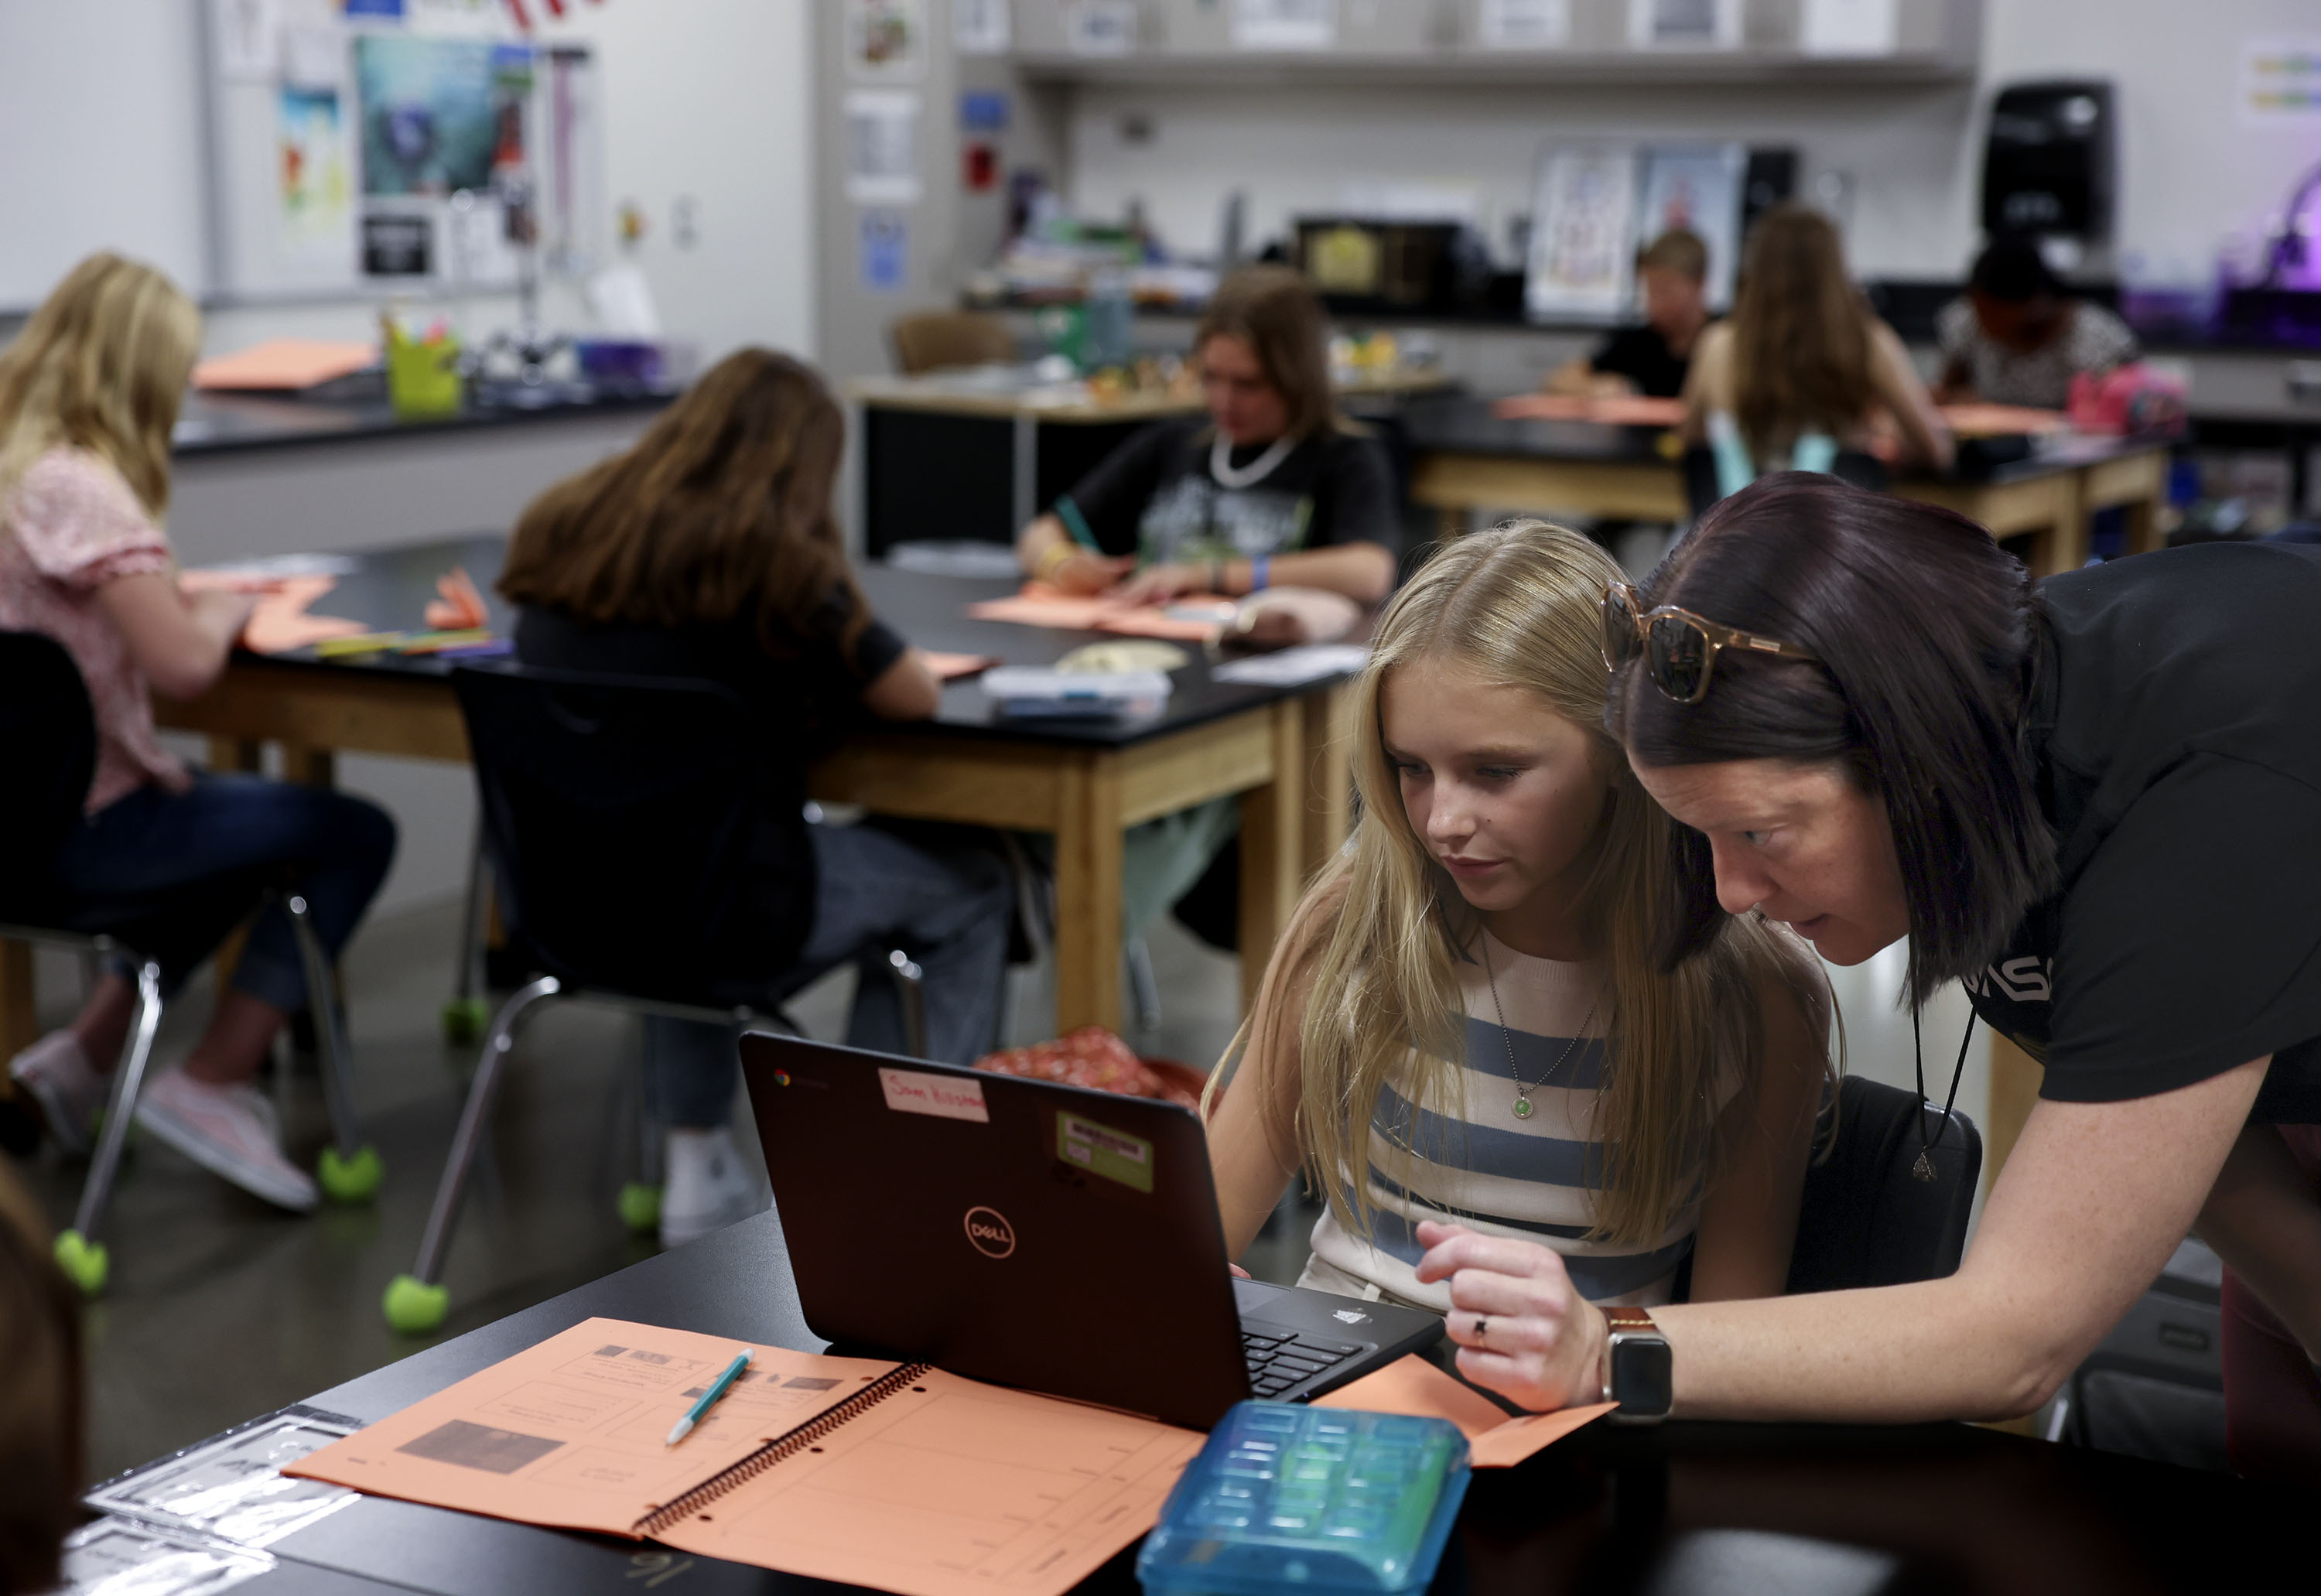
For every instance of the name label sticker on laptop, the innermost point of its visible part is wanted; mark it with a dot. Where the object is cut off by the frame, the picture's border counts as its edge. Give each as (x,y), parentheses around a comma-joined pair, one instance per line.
(1103,1151)
(946,1097)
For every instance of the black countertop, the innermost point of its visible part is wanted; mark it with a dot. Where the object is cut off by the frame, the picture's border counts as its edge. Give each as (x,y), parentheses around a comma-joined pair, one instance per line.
(210,424)
(1683,1507)
(388,589)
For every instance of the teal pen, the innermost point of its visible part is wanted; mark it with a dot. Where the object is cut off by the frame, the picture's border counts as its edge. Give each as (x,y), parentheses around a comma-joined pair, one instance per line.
(717,1387)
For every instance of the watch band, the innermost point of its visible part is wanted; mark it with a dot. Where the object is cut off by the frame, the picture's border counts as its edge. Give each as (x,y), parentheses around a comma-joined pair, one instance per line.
(1630,1318)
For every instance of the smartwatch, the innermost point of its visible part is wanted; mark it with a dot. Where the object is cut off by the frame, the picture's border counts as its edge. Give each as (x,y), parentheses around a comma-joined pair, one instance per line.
(1638,1371)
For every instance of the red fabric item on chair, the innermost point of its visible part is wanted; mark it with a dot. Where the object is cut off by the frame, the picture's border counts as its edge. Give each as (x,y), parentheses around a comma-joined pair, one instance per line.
(1094,1057)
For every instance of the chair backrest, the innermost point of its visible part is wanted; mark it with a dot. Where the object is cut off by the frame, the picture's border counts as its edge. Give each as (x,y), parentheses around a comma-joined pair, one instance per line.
(1870,1216)
(623,818)
(933,340)
(50,733)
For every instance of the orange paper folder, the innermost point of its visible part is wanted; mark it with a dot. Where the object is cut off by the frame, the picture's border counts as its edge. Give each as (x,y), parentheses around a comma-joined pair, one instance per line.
(1191,617)
(899,1477)
(1412,1385)
(285,364)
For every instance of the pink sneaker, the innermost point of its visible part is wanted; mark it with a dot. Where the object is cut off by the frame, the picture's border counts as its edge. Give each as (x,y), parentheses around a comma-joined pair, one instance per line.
(231,1131)
(60,1079)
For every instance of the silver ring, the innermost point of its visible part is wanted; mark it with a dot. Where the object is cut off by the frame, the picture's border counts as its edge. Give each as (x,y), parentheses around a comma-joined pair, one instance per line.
(1482,1326)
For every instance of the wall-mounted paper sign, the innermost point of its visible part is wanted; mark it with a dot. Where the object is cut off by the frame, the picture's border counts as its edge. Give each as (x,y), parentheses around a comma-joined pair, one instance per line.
(1850,27)
(1583,234)
(1284,25)
(882,146)
(1684,24)
(247,35)
(885,37)
(1523,24)
(981,27)
(1101,27)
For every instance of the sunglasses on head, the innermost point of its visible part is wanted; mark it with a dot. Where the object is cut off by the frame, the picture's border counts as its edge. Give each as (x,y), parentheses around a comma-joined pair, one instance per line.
(1680,648)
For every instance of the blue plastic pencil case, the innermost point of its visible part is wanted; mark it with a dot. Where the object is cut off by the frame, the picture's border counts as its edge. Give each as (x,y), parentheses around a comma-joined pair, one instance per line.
(1323,1500)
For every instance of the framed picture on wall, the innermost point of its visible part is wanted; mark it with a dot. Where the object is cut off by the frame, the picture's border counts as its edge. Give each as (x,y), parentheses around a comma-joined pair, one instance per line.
(1698,188)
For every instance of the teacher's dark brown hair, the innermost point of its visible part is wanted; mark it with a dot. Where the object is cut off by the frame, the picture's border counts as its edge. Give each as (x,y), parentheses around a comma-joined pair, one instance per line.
(1926,634)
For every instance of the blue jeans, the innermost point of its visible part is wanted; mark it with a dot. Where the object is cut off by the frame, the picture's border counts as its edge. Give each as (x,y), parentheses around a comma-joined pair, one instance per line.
(173,872)
(874,891)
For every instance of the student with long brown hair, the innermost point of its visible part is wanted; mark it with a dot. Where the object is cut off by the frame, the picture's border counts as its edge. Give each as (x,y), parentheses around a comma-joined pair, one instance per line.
(1803,375)
(1467,1029)
(708,552)
(89,394)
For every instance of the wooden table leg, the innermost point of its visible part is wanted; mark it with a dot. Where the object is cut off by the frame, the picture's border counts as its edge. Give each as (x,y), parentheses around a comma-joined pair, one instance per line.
(2143,525)
(244,754)
(1273,849)
(19,1022)
(1328,764)
(1087,893)
(310,767)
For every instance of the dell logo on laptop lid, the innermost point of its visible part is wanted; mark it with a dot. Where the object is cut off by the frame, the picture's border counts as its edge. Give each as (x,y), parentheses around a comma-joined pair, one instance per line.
(989,1232)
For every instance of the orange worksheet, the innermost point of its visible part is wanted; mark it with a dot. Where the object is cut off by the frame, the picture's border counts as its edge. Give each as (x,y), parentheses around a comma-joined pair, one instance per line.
(1412,1385)
(897,1476)
(1990,421)
(1191,617)
(1611,410)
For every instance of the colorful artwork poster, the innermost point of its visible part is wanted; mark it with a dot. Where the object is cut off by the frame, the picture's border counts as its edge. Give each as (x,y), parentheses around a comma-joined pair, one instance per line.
(316,192)
(1583,235)
(438,114)
(1698,188)
(885,37)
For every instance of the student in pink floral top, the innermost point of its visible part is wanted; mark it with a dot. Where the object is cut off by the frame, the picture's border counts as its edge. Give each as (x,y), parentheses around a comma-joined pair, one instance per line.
(88,394)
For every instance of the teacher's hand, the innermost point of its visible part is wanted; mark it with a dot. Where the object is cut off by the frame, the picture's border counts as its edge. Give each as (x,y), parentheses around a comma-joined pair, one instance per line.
(1522,1330)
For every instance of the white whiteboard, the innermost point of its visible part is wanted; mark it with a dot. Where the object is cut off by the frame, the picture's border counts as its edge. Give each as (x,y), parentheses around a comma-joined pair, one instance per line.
(101,139)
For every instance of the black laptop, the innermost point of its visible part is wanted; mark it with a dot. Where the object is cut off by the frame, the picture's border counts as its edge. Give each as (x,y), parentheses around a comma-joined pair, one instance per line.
(1036,1234)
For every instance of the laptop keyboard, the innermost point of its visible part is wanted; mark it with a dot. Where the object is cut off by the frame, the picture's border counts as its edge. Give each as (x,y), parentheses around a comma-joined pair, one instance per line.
(1277,1360)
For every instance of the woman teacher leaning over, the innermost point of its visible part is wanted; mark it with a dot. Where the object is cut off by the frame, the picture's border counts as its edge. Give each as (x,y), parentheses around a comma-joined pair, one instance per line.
(2096,804)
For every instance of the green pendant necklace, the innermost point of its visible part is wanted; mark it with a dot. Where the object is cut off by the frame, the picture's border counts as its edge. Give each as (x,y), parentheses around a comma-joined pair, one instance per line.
(1523,1106)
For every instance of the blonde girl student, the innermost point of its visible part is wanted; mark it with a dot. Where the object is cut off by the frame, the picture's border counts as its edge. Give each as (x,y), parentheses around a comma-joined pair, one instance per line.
(1466,1026)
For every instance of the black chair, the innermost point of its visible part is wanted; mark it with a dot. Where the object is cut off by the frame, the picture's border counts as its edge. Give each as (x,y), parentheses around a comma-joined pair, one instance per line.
(49,730)
(625,828)
(1889,1203)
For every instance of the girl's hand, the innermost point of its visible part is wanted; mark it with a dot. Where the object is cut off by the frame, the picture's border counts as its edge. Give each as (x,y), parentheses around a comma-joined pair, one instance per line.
(1522,1330)
(1086,575)
(1157,584)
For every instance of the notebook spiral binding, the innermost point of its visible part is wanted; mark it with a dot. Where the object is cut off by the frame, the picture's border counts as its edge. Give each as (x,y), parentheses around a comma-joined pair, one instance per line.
(781,1448)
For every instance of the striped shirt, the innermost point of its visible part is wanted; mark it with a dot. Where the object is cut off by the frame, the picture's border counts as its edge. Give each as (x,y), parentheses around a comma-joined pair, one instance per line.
(1475,1162)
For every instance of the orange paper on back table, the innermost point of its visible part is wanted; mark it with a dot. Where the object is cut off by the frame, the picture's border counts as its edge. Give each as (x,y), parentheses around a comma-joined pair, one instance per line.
(897,1476)
(1192,617)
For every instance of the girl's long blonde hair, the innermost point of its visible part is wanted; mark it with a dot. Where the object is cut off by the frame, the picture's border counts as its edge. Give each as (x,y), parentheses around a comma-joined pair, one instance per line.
(100,366)
(1378,939)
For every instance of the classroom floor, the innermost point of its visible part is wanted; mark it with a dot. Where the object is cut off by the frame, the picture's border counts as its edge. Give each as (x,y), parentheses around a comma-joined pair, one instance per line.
(220,1308)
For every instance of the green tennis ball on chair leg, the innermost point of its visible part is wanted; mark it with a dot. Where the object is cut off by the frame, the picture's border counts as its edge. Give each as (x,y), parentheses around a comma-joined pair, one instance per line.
(463,1020)
(413,1307)
(640,1205)
(350,1179)
(86,1263)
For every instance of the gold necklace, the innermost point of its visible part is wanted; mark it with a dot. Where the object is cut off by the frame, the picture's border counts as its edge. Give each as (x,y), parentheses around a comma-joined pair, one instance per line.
(1523,1109)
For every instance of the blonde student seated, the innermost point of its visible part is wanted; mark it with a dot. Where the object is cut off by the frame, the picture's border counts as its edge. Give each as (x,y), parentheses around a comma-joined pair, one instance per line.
(1466,1024)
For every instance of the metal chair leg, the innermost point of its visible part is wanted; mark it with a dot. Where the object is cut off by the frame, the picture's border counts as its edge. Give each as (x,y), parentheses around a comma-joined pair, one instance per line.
(349,1171)
(82,1256)
(911,989)
(1143,985)
(415,1302)
(463,1016)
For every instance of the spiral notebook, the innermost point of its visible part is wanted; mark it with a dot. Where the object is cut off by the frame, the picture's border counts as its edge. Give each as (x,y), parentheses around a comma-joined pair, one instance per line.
(897,1476)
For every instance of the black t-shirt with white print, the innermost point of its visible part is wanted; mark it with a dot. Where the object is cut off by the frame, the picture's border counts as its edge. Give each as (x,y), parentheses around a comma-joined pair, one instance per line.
(1155,497)
(2178,732)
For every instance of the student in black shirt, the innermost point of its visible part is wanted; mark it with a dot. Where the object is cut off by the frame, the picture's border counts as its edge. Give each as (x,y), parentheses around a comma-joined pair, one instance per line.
(1270,488)
(708,552)
(2098,805)
(1653,358)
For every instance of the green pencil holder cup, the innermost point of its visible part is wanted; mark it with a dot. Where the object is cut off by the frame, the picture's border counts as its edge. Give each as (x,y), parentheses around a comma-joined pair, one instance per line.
(422,378)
